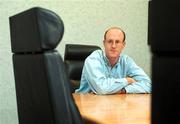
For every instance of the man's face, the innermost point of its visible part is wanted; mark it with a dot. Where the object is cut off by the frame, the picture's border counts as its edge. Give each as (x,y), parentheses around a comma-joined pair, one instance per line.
(114,43)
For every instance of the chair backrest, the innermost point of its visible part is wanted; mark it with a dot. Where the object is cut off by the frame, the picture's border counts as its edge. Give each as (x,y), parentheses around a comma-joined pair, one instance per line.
(75,55)
(42,88)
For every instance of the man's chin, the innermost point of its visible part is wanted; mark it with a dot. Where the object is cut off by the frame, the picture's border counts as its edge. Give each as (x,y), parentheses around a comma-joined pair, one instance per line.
(113,57)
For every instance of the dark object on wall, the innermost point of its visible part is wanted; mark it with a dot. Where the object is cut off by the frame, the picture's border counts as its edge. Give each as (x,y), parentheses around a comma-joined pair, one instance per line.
(42,88)
(149,22)
(165,26)
(75,55)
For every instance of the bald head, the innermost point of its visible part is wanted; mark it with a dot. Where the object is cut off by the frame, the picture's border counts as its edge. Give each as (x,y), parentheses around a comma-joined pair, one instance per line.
(114,43)
(115,28)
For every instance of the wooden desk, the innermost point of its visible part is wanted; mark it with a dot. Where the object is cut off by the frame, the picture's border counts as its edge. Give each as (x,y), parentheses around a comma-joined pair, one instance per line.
(115,109)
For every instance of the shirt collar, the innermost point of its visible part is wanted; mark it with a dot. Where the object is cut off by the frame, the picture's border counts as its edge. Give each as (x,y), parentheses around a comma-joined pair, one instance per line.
(106,60)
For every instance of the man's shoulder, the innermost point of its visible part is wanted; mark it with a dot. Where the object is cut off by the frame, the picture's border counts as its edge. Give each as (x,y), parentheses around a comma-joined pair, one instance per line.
(125,58)
(95,57)
(96,54)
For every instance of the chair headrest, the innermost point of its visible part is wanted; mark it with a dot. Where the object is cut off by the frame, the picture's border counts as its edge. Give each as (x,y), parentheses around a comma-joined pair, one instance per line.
(35,30)
(78,51)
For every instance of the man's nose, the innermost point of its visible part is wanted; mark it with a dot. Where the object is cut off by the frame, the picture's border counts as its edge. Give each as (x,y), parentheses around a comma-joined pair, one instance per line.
(113,44)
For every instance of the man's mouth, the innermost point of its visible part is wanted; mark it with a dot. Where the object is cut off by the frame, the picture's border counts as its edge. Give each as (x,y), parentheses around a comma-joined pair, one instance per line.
(113,51)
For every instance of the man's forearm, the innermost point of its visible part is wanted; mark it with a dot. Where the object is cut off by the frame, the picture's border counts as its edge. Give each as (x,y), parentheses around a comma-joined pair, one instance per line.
(122,91)
(130,80)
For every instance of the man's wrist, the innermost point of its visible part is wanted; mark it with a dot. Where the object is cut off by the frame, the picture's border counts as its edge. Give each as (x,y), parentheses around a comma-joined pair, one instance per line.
(123,91)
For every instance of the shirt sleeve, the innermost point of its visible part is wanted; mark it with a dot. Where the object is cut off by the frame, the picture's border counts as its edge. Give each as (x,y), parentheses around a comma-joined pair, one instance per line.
(99,81)
(143,84)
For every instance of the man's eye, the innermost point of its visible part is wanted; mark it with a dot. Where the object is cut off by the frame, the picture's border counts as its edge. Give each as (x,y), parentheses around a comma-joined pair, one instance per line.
(117,41)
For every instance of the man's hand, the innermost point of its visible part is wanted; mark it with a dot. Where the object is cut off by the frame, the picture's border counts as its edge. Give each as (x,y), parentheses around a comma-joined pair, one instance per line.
(130,80)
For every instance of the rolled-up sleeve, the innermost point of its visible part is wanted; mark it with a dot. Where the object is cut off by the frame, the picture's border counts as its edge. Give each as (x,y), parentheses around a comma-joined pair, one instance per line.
(143,84)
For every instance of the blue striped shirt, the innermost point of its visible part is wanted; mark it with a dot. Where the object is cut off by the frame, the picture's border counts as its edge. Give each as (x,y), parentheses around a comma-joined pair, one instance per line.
(99,77)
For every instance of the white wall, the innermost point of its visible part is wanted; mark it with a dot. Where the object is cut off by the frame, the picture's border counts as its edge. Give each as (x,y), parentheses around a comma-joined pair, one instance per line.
(85,22)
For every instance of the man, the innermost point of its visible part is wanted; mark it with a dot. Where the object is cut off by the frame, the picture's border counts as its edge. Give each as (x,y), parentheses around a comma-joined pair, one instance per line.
(111,71)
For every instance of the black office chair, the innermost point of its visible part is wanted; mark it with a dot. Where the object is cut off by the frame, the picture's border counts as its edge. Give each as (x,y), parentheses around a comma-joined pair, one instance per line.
(42,88)
(75,55)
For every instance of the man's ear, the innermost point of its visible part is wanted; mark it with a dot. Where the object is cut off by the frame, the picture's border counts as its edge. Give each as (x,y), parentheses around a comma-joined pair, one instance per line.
(124,43)
(103,42)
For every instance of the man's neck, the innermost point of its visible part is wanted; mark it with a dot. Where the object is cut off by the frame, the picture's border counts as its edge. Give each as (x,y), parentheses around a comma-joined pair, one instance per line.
(113,61)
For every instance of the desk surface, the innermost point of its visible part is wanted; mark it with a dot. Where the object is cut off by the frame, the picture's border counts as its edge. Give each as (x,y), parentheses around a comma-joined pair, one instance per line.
(115,109)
